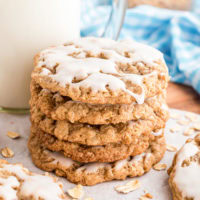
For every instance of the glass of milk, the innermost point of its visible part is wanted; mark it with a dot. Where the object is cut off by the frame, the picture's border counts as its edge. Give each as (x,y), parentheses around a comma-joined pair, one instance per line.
(26,27)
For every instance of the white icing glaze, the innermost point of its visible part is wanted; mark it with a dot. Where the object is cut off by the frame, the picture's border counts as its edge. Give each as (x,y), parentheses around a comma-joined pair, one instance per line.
(16,169)
(137,158)
(160,132)
(45,72)
(93,167)
(164,106)
(81,68)
(45,90)
(148,156)
(7,188)
(187,178)
(138,80)
(120,163)
(94,44)
(138,52)
(59,158)
(99,81)
(98,73)
(41,187)
(22,183)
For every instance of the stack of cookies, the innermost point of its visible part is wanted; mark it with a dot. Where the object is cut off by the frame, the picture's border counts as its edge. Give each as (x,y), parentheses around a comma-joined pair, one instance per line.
(98,109)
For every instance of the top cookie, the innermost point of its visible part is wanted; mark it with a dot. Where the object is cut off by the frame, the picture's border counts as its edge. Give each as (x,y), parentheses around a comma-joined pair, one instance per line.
(99,70)
(185,171)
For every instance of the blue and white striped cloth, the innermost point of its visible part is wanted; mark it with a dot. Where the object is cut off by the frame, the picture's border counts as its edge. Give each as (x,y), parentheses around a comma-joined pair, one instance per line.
(175,33)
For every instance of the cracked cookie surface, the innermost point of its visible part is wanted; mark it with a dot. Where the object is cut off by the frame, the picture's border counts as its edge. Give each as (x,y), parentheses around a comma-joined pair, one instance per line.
(102,71)
(93,173)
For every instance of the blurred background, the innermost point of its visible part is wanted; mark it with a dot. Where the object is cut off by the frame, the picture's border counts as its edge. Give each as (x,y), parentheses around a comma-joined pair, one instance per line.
(171,26)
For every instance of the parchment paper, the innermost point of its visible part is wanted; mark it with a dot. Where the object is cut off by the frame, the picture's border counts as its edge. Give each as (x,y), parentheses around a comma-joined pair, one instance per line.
(154,182)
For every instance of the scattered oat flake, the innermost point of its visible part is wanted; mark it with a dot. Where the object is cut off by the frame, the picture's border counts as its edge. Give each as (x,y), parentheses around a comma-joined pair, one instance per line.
(196,126)
(88,198)
(143,198)
(160,166)
(7,152)
(188,132)
(175,116)
(191,116)
(13,135)
(128,187)
(147,196)
(76,192)
(183,122)
(175,129)
(171,148)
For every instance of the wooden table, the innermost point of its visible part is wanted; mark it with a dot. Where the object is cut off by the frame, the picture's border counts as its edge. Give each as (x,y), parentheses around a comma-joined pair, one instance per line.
(183,98)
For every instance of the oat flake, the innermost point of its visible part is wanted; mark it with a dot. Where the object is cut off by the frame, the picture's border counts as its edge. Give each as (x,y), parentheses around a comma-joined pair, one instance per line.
(76,192)
(7,152)
(128,187)
(13,135)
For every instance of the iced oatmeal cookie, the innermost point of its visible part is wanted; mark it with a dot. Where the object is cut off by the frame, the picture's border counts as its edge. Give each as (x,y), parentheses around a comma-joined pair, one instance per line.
(184,174)
(102,71)
(17,183)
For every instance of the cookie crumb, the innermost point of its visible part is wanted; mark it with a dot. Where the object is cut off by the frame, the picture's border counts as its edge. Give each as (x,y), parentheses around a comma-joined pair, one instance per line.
(171,148)
(175,129)
(189,140)
(76,192)
(183,122)
(88,198)
(128,187)
(160,166)
(196,126)
(7,152)
(188,132)
(147,196)
(192,117)
(13,135)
